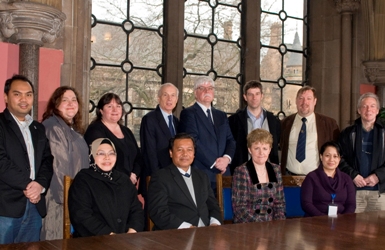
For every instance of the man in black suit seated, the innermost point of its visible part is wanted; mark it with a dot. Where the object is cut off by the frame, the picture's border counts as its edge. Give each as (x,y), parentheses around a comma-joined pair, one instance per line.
(252,117)
(25,165)
(180,196)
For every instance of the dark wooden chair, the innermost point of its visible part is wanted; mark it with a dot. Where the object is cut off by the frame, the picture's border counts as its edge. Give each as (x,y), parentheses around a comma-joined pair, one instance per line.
(66,215)
(224,197)
(292,189)
(150,223)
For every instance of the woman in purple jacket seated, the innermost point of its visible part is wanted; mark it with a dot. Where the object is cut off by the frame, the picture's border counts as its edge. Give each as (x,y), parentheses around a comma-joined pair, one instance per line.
(328,185)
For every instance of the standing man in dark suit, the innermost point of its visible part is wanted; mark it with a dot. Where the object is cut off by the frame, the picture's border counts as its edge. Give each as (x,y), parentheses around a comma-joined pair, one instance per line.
(25,165)
(210,129)
(250,118)
(156,129)
(180,196)
(318,129)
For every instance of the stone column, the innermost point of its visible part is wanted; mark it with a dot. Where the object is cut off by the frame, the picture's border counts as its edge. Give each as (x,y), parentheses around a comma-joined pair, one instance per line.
(374,65)
(173,32)
(250,33)
(30,24)
(346,8)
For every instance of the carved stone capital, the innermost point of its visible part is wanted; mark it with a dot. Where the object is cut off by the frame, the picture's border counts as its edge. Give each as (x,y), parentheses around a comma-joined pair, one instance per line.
(347,6)
(375,72)
(31,23)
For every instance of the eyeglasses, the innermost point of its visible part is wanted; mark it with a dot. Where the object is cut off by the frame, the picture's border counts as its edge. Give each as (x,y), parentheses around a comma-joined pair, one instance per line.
(205,89)
(104,154)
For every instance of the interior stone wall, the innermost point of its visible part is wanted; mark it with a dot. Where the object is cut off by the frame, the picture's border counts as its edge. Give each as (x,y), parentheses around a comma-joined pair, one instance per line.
(76,45)
(326,59)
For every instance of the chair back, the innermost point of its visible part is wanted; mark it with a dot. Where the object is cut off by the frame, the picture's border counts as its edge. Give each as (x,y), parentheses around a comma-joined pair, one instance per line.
(66,215)
(224,197)
(292,190)
(150,224)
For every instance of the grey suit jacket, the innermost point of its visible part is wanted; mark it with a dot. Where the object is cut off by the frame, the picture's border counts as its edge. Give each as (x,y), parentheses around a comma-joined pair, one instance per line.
(70,153)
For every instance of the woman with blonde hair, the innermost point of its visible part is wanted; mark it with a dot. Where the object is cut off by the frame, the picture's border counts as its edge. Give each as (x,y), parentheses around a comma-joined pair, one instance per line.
(257,191)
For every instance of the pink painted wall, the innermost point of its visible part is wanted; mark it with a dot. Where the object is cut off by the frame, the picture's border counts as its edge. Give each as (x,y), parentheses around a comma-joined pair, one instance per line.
(9,65)
(50,62)
(367,88)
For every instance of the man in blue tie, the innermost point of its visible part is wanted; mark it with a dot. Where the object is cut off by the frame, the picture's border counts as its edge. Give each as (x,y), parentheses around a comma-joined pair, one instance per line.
(210,129)
(304,133)
(156,129)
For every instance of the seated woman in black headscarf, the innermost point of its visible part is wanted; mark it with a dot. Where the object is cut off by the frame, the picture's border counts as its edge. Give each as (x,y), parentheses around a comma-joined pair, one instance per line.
(103,200)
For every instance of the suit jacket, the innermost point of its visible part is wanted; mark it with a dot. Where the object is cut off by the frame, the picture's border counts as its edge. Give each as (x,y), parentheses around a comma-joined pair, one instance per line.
(238,125)
(350,142)
(128,153)
(254,201)
(154,140)
(170,201)
(327,130)
(15,168)
(211,143)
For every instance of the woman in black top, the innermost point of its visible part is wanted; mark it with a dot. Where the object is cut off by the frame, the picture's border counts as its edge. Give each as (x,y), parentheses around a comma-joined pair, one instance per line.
(101,199)
(107,124)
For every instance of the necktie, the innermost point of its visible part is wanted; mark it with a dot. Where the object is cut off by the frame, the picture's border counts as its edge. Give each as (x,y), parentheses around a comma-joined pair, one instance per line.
(209,117)
(170,127)
(186,175)
(301,144)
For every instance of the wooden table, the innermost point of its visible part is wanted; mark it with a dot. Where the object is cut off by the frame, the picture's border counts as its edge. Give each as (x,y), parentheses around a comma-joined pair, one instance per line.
(354,231)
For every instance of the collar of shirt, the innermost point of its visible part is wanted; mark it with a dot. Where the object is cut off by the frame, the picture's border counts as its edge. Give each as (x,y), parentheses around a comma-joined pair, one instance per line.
(309,119)
(254,119)
(184,172)
(204,108)
(22,124)
(165,115)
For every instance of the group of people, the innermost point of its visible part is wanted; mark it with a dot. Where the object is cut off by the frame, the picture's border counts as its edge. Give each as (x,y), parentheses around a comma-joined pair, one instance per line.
(182,157)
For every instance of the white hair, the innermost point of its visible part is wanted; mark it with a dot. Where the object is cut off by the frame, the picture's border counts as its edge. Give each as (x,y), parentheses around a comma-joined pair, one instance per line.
(203,80)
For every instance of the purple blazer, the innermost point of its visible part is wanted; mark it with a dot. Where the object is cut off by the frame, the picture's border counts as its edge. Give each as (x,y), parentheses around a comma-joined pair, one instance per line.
(254,201)
(317,189)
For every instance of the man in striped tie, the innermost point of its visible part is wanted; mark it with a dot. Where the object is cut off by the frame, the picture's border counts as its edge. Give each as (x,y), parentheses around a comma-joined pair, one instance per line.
(210,129)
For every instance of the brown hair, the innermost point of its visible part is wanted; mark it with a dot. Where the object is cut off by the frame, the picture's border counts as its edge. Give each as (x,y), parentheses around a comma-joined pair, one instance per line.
(306,88)
(54,102)
(259,135)
(104,100)
(252,85)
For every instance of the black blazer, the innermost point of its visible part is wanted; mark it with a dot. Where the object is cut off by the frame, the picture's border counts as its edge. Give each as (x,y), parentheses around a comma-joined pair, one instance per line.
(128,153)
(171,204)
(211,143)
(154,140)
(238,125)
(15,168)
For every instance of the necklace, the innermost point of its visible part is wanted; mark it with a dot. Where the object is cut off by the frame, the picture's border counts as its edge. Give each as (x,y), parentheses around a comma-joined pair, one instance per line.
(261,174)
